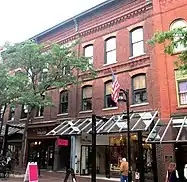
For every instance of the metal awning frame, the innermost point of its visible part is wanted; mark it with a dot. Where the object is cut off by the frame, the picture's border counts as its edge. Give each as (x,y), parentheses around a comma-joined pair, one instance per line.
(74,126)
(180,126)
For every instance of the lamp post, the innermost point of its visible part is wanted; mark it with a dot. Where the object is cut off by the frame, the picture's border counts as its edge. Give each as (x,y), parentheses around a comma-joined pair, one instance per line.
(126,100)
(94,134)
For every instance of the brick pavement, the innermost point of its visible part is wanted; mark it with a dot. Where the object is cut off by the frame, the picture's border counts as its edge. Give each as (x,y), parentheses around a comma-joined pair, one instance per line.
(54,177)
(59,177)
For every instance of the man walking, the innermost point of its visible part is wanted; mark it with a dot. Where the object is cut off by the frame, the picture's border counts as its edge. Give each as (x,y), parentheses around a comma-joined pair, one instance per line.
(124,170)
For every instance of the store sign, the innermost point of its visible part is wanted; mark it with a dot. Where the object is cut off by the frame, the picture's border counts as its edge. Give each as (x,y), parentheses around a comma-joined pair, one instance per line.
(40,131)
(62,142)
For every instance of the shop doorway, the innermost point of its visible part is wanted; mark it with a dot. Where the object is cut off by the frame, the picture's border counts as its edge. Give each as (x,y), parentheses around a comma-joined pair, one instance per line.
(102,160)
(181,158)
(42,152)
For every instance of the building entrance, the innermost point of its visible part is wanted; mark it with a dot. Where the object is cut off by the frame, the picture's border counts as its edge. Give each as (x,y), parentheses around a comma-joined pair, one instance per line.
(42,152)
(102,161)
(181,159)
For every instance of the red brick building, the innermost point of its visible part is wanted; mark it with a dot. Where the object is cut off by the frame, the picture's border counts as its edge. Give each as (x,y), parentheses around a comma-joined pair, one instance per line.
(171,83)
(114,34)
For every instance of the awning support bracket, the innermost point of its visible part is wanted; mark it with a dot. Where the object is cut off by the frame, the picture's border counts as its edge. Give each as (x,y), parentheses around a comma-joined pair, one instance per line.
(152,130)
(138,121)
(166,130)
(182,125)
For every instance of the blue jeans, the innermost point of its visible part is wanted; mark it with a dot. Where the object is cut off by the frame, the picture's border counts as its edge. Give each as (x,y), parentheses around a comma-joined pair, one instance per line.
(123,178)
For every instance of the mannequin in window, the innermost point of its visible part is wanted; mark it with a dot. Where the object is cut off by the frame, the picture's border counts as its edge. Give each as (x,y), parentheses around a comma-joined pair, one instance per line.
(185,172)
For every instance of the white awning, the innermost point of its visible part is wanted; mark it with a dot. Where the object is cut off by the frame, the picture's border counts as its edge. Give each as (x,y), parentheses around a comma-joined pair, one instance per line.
(115,124)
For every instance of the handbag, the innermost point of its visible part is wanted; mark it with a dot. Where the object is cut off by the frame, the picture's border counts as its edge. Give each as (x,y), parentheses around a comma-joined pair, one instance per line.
(168,178)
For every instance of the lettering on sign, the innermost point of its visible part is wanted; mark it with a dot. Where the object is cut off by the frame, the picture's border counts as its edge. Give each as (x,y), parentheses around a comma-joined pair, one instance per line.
(40,131)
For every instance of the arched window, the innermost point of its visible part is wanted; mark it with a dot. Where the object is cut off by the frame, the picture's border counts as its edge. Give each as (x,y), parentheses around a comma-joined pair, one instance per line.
(179,23)
(139,89)
(88,52)
(108,98)
(63,108)
(110,50)
(87,98)
(137,42)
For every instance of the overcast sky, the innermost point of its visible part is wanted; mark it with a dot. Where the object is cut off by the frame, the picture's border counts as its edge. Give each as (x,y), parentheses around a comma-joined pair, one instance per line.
(22,19)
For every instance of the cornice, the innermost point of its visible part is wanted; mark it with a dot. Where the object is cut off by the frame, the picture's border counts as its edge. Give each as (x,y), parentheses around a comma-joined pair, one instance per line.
(140,62)
(110,23)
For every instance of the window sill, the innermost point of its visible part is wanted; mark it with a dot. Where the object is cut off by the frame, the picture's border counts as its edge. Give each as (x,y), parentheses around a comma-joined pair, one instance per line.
(22,119)
(87,111)
(139,105)
(63,114)
(182,107)
(178,52)
(109,108)
(39,117)
(107,64)
(132,57)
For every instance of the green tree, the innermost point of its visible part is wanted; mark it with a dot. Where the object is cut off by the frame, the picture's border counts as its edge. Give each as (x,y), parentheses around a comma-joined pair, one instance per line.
(9,87)
(173,40)
(40,71)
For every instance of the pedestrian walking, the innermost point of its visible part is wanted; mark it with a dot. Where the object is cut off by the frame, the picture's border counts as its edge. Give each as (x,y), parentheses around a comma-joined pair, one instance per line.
(172,173)
(124,166)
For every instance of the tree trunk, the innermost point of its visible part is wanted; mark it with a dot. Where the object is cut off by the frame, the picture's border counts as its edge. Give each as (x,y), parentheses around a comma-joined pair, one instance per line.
(2,119)
(22,157)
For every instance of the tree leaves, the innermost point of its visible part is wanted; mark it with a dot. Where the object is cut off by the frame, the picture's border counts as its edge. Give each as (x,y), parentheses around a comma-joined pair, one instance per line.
(41,70)
(175,42)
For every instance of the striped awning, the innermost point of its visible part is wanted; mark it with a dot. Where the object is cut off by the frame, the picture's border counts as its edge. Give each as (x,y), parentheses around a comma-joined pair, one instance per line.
(115,124)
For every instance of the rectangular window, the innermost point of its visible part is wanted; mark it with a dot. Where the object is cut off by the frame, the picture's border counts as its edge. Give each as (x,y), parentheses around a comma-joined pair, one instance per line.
(182,85)
(63,102)
(108,98)
(139,89)
(40,111)
(87,98)
(24,111)
(12,113)
(110,50)
(88,52)
(137,42)
(66,70)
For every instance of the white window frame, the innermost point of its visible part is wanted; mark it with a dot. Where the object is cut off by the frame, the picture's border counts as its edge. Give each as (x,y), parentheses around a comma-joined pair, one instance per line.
(137,39)
(179,23)
(89,52)
(109,50)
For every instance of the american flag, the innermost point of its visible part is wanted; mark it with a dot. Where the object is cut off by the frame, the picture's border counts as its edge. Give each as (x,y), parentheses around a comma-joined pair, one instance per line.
(115,88)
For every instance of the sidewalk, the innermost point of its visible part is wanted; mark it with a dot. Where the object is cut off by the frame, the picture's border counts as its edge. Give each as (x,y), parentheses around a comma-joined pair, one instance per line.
(58,177)
(47,176)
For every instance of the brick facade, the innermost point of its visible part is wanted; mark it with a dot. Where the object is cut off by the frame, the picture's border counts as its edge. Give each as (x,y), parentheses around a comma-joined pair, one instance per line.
(118,19)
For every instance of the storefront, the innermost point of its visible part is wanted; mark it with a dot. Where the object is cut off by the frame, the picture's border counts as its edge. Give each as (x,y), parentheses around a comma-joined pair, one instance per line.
(41,148)
(111,143)
(14,138)
(172,135)
(49,151)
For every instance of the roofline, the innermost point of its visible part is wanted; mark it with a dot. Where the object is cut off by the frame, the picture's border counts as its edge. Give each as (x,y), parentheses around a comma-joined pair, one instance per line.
(72,18)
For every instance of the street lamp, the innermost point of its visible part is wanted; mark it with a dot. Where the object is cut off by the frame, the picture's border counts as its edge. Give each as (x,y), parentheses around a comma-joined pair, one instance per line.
(94,134)
(126,100)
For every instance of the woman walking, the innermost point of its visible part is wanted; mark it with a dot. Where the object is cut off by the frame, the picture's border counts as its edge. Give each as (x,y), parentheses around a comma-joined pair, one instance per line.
(172,173)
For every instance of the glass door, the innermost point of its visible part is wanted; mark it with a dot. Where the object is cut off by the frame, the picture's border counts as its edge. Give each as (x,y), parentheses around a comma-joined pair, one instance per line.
(86,156)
